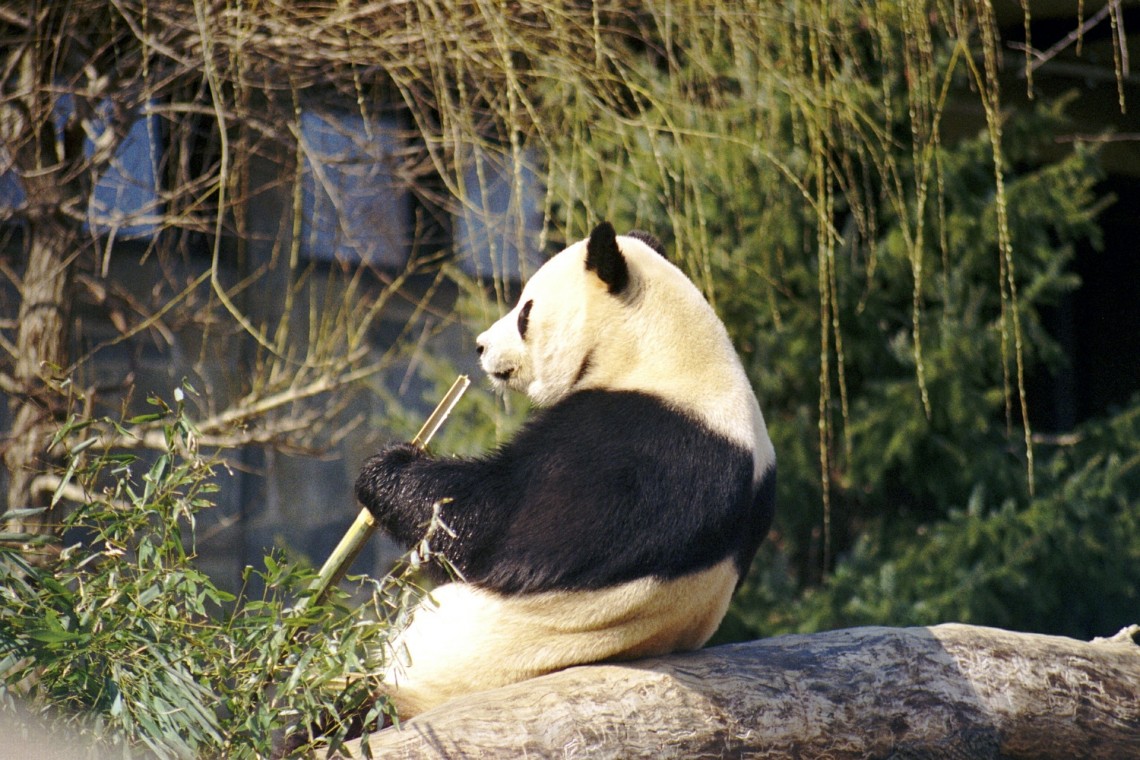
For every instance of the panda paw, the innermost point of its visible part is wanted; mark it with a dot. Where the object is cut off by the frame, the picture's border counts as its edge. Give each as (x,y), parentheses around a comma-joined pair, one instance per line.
(379,483)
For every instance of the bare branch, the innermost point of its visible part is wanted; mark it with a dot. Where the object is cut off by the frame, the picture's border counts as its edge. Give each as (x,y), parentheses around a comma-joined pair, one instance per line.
(9,16)
(1040,58)
(69,491)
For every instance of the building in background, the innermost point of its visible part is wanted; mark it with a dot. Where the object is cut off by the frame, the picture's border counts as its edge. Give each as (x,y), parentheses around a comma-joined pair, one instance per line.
(354,208)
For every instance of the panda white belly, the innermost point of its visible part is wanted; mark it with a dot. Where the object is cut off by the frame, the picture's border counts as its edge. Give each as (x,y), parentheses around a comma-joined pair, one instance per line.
(465,639)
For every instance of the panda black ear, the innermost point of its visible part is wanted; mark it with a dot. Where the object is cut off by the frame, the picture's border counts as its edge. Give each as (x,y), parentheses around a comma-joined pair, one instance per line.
(648,239)
(604,258)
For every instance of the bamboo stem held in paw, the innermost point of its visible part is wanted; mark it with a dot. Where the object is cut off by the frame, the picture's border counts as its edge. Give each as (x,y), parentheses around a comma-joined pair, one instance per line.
(365,525)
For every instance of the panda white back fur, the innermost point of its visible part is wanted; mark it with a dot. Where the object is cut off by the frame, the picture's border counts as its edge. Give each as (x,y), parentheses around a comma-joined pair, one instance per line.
(618,522)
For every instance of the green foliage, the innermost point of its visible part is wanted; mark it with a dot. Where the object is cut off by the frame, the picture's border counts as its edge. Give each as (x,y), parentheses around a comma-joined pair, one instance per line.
(917,541)
(1068,562)
(924,439)
(132,645)
(925,433)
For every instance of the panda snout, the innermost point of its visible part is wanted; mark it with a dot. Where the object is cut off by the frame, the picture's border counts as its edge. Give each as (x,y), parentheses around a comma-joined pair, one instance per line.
(501,369)
(500,360)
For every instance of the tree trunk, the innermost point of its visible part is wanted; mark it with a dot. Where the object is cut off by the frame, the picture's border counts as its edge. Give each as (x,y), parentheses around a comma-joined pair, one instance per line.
(50,175)
(41,352)
(950,691)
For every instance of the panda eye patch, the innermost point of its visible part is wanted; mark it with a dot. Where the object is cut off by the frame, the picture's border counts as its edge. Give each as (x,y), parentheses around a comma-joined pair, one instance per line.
(524,317)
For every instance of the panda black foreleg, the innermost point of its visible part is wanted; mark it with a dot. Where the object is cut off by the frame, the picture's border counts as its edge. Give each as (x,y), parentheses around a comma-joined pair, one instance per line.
(391,485)
(404,487)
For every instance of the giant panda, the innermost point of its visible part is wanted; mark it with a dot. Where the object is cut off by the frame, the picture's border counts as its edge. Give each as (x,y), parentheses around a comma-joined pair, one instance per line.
(619,520)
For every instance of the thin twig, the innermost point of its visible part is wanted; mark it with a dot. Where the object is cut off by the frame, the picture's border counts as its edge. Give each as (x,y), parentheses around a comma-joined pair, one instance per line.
(1040,58)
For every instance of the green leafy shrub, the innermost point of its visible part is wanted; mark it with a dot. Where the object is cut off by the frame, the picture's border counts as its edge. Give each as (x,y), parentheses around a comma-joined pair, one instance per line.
(123,642)
(1068,562)
(932,517)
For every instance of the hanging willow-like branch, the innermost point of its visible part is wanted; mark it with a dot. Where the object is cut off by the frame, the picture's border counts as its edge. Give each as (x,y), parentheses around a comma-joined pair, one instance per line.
(643,112)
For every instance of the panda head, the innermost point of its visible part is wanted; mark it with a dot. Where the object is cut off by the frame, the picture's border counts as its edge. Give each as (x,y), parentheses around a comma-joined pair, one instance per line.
(611,313)
(565,322)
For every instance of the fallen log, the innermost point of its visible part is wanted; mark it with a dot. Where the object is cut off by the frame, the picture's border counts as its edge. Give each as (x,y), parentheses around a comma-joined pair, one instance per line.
(948,691)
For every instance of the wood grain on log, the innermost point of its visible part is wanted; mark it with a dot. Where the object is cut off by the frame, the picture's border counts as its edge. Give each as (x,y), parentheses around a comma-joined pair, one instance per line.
(949,691)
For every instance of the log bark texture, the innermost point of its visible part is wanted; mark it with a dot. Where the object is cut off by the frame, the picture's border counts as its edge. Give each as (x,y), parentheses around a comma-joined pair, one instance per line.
(949,691)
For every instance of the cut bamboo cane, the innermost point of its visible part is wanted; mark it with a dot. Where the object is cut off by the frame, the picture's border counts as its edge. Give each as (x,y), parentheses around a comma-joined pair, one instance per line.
(364,526)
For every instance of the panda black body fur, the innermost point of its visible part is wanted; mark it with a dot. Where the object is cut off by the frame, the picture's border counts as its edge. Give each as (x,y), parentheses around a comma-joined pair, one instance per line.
(618,521)
(597,490)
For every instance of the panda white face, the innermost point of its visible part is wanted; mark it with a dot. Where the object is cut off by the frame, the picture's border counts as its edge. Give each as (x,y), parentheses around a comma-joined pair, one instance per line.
(544,346)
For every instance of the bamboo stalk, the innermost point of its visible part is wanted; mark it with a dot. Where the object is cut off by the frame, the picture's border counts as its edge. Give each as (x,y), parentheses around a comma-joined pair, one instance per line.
(364,526)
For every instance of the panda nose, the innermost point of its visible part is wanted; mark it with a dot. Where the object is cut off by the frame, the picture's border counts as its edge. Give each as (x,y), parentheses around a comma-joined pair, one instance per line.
(479,347)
